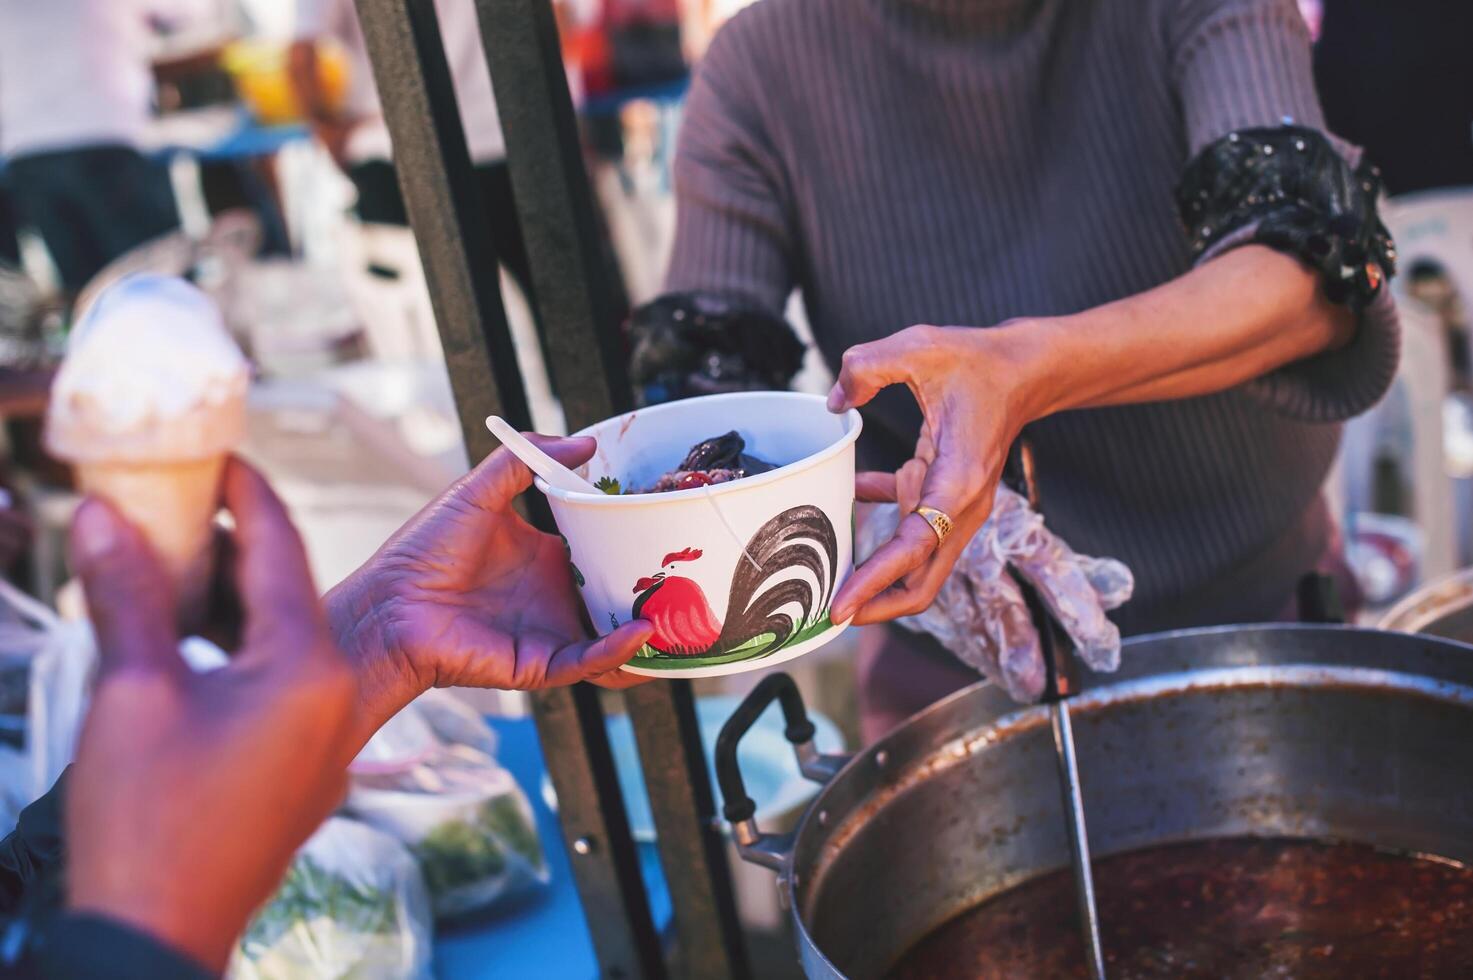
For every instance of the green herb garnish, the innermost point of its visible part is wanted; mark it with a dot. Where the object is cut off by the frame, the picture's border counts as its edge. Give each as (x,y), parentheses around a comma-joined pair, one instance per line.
(609,485)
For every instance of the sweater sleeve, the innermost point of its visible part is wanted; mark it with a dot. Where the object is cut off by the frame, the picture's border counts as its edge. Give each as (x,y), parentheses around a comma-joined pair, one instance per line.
(32,855)
(733,230)
(78,947)
(1239,64)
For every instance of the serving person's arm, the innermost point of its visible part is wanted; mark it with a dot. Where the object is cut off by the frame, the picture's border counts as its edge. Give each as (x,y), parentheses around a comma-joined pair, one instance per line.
(468,594)
(1288,297)
(1270,311)
(978,388)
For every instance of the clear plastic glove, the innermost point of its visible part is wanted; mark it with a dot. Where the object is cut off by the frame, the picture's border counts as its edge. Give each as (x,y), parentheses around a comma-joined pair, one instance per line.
(980,615)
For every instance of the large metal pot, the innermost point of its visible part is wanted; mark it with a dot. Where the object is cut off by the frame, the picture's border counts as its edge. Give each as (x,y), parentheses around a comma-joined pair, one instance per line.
(1286,731)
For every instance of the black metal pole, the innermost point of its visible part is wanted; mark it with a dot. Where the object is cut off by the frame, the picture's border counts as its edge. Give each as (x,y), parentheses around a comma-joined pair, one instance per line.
(692,848)
(447,214)
(578,299)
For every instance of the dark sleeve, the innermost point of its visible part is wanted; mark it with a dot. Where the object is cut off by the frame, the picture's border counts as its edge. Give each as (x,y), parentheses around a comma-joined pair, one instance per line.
(688,344)
(69,947)
(1245,64)
(733,217)
(33,854)
(81,947)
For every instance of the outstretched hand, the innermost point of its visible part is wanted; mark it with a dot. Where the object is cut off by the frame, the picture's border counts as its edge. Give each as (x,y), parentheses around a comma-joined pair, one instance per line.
(191,792)
(972,404)
(469,594)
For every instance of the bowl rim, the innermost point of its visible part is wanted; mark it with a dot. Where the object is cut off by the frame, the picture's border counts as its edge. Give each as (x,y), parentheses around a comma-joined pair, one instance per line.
(851,418)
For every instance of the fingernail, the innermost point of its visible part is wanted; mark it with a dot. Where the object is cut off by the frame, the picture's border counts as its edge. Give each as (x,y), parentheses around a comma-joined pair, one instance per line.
(93,530)
(571,444)
(836,399)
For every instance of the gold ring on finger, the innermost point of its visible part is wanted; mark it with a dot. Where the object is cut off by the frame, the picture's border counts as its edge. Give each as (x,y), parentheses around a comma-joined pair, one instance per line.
(939,520)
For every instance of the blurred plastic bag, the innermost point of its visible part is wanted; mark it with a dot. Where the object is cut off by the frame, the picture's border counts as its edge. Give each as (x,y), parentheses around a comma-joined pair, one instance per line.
(980,614)
(352,905)
(455,721)
(427,779)
(46,666)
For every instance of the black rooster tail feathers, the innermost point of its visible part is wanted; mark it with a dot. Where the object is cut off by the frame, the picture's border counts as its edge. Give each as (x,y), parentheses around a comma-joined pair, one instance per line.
(764,596)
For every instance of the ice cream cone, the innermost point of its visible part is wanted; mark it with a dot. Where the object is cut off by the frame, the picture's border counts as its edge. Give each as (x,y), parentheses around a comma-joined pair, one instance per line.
(148,404)
(174,505)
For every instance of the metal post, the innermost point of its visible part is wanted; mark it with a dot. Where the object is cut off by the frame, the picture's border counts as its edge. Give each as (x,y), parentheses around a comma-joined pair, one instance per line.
(447,214)
(575,745)
(577,297)
(579,302)
(692,849)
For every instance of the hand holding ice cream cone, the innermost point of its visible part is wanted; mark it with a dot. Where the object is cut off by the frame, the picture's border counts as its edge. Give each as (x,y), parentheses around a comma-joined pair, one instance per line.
(149,402)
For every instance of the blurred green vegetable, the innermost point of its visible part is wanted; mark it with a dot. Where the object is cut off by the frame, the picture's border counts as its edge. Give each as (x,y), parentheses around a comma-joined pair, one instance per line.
(463,852)
(308,892)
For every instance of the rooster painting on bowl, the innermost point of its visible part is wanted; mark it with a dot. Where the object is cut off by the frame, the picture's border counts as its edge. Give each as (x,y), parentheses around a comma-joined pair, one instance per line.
(762,589)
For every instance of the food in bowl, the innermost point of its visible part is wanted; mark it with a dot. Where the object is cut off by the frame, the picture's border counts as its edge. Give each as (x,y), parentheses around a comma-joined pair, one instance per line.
(720,459)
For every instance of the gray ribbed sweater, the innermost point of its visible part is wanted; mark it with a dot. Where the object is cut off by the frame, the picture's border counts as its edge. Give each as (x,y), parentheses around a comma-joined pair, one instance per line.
(965,161)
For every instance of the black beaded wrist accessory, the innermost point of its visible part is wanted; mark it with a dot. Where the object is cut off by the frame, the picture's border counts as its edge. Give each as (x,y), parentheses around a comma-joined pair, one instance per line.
(1305,200)
(685,344)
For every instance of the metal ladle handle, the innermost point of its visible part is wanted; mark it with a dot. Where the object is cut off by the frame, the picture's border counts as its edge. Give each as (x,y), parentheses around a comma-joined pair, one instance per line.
(1060,682)
(1061,670)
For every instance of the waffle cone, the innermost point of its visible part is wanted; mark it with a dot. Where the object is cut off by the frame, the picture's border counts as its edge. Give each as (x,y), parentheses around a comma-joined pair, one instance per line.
(174,505)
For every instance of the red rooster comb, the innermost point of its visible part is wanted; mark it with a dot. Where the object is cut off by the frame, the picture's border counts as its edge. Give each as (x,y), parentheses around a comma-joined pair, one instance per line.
(689,554)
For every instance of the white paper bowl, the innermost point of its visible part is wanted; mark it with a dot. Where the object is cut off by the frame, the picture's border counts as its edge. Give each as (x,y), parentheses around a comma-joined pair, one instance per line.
(681,558)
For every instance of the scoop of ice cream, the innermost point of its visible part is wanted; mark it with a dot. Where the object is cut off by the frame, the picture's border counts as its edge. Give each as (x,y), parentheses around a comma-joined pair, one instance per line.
(151,373)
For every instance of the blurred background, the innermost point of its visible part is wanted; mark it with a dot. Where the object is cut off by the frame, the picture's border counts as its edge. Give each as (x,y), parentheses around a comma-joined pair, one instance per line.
(240,142)
(255,127)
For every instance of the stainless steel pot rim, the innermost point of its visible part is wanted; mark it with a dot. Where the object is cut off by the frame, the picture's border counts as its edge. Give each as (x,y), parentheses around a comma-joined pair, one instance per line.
(1135,681)
(958,750)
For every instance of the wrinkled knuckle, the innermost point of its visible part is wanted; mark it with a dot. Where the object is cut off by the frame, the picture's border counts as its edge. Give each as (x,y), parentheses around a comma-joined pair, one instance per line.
(923,333)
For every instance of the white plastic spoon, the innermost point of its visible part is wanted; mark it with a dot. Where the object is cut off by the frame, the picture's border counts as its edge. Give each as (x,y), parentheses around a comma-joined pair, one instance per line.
(555,473)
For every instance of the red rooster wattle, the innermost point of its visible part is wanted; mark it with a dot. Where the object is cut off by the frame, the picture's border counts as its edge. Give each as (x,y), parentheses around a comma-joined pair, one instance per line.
(766,598)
